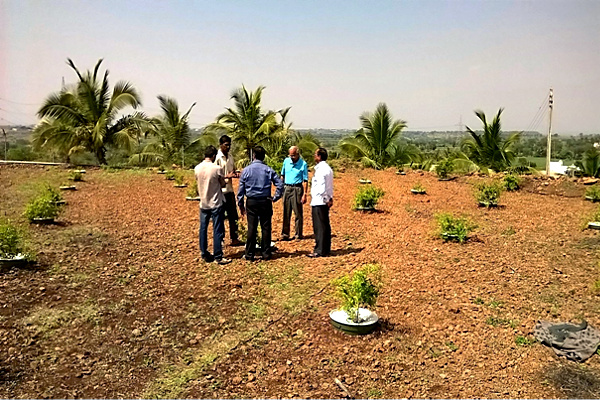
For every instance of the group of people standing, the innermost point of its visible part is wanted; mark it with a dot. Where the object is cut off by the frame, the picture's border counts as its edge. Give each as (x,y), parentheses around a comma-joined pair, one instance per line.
(218,201)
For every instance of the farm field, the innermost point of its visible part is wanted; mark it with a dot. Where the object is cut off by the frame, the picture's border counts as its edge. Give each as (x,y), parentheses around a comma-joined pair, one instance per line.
(121,304)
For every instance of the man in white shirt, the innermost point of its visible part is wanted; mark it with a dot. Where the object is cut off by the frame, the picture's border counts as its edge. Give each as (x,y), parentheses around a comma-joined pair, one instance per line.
(226,162)
(321,193)
(210,180)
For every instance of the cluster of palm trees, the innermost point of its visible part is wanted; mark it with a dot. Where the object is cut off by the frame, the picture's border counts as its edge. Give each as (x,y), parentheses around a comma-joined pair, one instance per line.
(86,117)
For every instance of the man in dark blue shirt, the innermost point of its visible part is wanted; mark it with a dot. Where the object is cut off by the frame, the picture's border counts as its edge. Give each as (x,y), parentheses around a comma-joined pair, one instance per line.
(255,185)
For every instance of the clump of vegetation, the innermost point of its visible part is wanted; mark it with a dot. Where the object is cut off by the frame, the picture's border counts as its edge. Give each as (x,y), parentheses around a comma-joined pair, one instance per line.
(444,168)
(488,193)
(179,180)
(170,175)
(524,341)
(53,194)
(593,193)
(360,290)
(192,191)
(512,182)
(418,188)
(453,228)
(11,241)
(76,176)
(367,198)
(161,168)
(42,207)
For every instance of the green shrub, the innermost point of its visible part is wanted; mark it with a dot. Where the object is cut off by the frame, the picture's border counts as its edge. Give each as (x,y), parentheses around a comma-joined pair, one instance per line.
(453,228)
(418,187)
(361,289)
(179,179)
(511,182)
(10,241)
(170,175)
(43,206)
(444,168)
(76,176)
(367,197)
(53,194)
(593,193)
(192,190)
(488,193)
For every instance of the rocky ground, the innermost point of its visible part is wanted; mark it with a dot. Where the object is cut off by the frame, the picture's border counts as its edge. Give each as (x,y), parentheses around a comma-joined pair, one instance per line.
(120,304)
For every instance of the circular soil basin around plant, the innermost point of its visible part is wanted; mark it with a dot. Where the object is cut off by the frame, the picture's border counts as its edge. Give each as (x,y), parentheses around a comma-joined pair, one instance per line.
(418,191)
(68,187)
(364,181)
(43,221)
(17,261)
(368,321)
(192,198)
(449,236)
(61,203)
(180,186)
(365,208)
(400,173)
(593,200)
(446,179)
(161,172)
(487,204)
(594,225)
(170,179)
(81,171)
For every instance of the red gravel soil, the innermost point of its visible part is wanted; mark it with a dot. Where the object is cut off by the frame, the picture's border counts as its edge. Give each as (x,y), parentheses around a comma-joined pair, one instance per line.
(120,304)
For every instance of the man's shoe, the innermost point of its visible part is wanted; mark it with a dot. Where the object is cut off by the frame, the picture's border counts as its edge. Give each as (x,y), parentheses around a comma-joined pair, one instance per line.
(222,261)
(237,242)
(285,238)
(314,255)
(266,257)
(248,258)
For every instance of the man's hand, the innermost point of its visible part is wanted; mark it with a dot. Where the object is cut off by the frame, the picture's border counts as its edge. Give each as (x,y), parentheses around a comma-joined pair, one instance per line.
(303,201)
(242,211)
(232,175)
(330,203)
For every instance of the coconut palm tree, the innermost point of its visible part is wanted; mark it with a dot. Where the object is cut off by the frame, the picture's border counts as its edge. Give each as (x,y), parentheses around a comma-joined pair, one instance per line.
(374,143)
(489,149)
(171,133)
(84,116)
(247,123)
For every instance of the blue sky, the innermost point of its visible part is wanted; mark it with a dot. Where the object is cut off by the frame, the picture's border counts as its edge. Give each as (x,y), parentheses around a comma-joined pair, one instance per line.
(432,62)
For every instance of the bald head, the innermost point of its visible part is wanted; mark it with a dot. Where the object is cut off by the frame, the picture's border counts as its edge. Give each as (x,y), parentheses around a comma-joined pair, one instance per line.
(294,153)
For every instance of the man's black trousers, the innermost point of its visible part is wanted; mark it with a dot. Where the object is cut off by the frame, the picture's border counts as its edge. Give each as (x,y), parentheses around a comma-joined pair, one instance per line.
(259,211)
(322,229)
(232,215)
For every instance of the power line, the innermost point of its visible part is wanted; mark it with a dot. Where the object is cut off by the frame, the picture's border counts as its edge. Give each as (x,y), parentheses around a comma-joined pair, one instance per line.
(541,111)
(22,104)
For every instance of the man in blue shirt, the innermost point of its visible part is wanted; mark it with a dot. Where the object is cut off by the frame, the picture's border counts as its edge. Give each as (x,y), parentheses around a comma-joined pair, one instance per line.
(255,185)
(295,178)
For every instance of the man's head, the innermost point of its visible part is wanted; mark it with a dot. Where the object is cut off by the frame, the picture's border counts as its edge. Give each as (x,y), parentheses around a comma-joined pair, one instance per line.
(294,153)
(210,152)
(320,154)
(225,144)
(259,153)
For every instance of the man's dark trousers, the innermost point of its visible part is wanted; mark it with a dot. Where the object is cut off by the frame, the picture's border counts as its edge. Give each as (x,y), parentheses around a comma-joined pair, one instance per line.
(259,211)
(232,215)
(322,230)
(292,201)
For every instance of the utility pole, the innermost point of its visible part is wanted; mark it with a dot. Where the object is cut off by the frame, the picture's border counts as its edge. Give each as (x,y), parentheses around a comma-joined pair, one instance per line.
(5,144)
(549,147)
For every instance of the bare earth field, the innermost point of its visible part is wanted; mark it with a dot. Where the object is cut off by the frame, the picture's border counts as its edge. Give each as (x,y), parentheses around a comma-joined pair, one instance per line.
(121,305)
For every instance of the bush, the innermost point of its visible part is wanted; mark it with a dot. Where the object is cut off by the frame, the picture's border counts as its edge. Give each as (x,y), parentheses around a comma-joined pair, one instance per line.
(511,182)
(418,187)
(192,190)
(359,290)
(453,228)
(76,176)
(43,206)
(10,241)
(170,175)
(179,179)
(367,197)
(488,193)
(444,168)
(53,194)
(593,193)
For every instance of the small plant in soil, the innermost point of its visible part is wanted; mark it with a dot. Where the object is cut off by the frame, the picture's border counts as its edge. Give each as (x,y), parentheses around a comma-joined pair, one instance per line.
(359,290)
(511,182)
(524,341)
(161,168)
(192,191)
(179,180)
(593,194)
(418,188)
(11,242)
(444,168)
(453,228)
(54,194)
(367,198)
(42,207)
(488,193)
(76,176)
(170,175)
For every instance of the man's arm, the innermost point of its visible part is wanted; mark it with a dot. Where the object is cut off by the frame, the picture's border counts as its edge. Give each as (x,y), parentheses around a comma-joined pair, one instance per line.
(240,194)
(329,188)
(305,182)
(279,184)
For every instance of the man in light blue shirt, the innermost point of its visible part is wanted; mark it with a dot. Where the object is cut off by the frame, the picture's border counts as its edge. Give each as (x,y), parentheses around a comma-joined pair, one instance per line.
(255,185)
(295,178)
